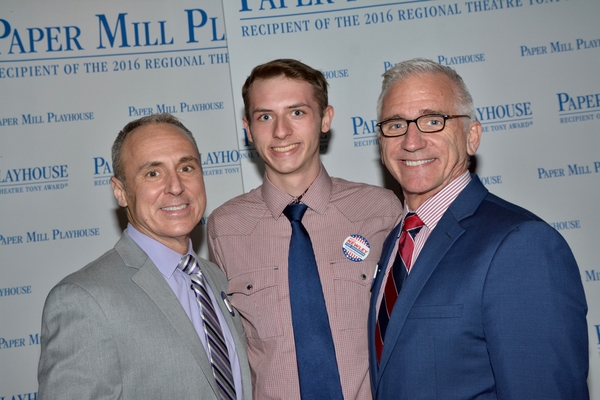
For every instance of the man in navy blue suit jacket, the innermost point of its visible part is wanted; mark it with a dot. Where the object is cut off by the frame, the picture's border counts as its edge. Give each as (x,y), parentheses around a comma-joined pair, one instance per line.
(493,306)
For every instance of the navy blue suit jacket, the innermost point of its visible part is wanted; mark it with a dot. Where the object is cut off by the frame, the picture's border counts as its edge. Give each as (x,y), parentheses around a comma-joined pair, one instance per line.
(493,308)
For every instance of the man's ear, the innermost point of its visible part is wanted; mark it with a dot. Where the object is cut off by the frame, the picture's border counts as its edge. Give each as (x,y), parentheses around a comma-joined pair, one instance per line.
(473,137)
(381,150)
(248,131)
(327,118)
(119,191)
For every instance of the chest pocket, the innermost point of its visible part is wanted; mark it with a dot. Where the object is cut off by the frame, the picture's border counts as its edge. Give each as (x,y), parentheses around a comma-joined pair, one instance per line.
(445,311)
(352,281)
(255,294)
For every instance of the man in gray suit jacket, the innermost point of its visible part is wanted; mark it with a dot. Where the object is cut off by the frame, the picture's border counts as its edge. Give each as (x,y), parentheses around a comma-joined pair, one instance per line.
(128,325)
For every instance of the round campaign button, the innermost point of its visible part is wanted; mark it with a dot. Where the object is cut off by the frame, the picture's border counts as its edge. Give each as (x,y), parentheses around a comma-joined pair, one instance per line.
(356,248)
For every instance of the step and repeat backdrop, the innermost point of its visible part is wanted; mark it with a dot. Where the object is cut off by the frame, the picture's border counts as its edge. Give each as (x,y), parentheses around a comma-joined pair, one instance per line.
(72,74)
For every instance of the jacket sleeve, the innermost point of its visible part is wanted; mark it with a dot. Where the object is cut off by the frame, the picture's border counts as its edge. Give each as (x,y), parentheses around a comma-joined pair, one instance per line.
(79,358)
(534,313)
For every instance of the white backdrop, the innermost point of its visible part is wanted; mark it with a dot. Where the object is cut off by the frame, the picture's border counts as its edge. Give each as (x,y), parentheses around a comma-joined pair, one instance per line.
(73,73)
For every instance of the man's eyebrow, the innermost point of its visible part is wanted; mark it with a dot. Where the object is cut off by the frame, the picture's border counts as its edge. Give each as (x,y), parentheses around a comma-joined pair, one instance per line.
(298,105)
(290,107)
(426,111)
(189,159)
(149,164)
(261,110)
(393,116)
(152,164)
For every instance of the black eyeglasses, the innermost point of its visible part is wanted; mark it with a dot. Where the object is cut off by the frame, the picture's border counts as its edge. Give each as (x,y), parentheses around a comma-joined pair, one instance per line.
(430,123)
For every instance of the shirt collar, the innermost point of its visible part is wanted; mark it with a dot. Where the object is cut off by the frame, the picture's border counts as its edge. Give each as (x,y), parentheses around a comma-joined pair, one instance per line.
(316,198)
(432,210)
(165,259)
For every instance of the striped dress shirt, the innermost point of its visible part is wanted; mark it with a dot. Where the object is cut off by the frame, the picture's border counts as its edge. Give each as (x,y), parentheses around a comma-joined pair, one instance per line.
(249,239)
(430,212)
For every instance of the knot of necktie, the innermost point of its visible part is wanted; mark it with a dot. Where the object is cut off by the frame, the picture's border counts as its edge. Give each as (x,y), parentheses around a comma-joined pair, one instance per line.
(412,221)
(188,264)
(295,211)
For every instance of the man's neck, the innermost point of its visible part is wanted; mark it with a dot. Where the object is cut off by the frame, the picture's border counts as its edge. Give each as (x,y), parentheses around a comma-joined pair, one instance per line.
(294,184)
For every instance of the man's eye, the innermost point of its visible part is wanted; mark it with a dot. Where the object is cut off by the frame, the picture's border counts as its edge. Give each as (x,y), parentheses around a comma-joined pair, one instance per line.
(396,126)
(152,174)
(264,117)
(187,168)
(297,112)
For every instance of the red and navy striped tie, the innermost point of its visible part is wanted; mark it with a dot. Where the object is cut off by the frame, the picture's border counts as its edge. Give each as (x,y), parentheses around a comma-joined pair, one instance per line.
(400,268)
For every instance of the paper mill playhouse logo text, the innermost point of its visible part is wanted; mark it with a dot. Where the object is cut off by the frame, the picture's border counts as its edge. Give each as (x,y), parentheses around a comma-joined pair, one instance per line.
(34,179)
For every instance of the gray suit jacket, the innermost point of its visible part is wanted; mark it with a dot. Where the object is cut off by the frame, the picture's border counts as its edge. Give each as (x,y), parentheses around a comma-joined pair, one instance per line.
(116,330)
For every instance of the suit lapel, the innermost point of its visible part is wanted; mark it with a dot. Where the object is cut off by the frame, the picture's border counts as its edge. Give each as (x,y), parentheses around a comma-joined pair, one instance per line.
(386,251)
(151,281)
(218,284)
(218,288)
(388,247)
(447,231)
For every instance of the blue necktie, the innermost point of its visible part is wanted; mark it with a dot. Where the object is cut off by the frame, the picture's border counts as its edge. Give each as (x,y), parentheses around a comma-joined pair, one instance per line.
(317,365)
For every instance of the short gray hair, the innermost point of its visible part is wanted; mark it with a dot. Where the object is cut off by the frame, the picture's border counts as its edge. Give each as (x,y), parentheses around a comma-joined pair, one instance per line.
(416,66)
(164,118)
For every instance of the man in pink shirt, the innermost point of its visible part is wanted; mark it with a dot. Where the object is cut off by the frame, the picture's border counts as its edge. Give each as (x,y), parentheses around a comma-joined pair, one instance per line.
(286,112)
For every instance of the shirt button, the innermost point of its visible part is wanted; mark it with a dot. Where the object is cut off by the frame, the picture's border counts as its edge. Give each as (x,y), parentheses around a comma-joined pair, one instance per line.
(363,277)
(249,287)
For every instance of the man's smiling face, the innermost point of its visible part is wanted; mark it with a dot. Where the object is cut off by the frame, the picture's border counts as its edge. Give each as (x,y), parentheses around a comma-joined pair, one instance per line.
(424,163)
(164,188)
(285,126)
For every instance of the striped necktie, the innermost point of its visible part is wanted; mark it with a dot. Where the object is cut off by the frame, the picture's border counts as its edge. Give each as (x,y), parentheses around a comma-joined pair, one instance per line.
(400,268)
(219,357)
